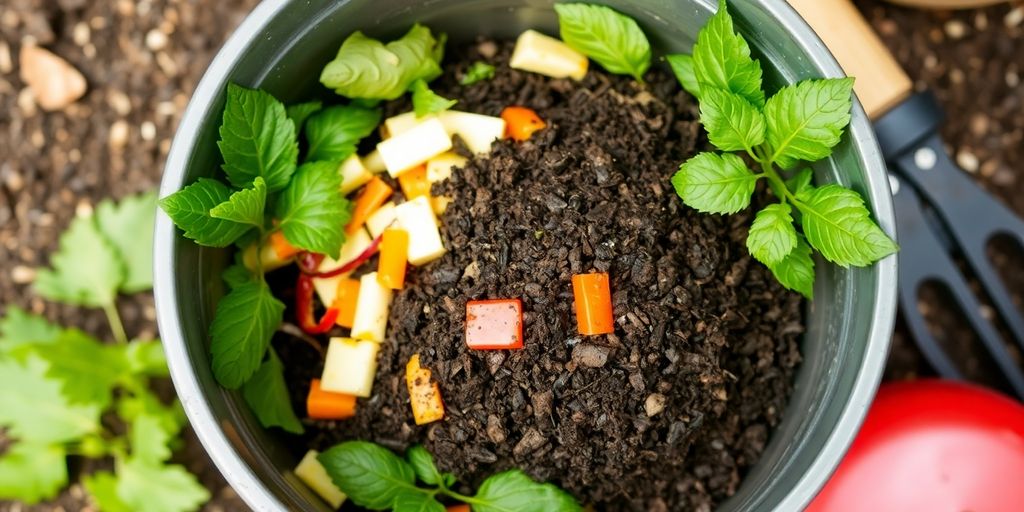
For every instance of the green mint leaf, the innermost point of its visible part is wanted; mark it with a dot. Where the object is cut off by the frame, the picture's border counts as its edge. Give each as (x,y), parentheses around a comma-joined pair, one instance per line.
(267,394)
(513,490)
(477,72)
(713,183)
(796,270)
(800,184)
(31,473)
(146,358)
(87,369)
(102,488)
(20,328)
(334,132)
(142,485)
(244,206)
(87,270)
(733,124)
(257,139)
(416,502)
(772,235)
(370,475)
(245,320)
(837,224)
(236,275)
(423,464)
(190,208)
(149,439)
(682,67)
(612,39)
(312,210)
(425,101)
(128,226)
(39,412)
(721,58)
(807,119)
(366,68)
(299,112)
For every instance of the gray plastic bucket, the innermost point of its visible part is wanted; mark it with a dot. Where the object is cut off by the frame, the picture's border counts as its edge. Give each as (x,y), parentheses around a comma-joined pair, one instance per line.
(283,45)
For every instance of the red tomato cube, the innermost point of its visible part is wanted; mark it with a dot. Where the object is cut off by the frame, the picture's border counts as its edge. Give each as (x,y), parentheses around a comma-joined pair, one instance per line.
(494,324)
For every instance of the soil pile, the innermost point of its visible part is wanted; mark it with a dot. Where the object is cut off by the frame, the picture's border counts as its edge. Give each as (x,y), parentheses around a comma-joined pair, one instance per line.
(667,412)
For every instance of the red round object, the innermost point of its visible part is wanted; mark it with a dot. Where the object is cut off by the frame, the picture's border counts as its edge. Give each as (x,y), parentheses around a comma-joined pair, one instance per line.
(932,445)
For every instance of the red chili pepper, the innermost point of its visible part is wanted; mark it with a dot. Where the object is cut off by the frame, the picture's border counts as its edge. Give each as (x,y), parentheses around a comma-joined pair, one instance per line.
(348,267)
(304,308)
(309,261)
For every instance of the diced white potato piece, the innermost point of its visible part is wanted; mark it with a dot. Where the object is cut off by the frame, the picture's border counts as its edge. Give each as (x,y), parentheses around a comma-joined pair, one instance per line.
(538,53)
(402,123)
(415,146)
(476,130)
(379,220)
(374,163)
(440,167)
(353,174)
(327,287)
(268,258)
(417,218)
(313,474)
(350,366)
(371,317)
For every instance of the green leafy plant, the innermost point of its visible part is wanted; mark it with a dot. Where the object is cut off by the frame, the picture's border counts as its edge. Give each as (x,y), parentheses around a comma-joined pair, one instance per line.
(269,192)
(67,393)
(367,69)
(612,39)
(425,101)
(477,72)
(800,123)
(375,478)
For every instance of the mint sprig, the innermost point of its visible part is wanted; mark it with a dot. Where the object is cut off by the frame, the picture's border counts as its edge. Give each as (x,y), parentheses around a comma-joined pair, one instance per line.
(257,139)
(800,123)
(366,68)
(612,39)
(375,478)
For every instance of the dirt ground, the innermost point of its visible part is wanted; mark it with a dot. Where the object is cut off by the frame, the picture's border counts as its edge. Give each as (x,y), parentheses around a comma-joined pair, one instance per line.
(143,58)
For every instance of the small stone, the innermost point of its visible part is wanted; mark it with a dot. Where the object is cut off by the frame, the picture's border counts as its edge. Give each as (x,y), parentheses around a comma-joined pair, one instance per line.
(967,161)
(956,29)
(541,403)
(6,65)
(118,134)
(956,76)
(156,40)
(721,394)
(487,49)
(81,33)
(120,102)
(592,356)
(83,208)
(148,130)
(979,124)
(981,21)
(21,274)
(654,404)
(1014,17)
(27,102)
(495,432)
(55,83)
(531,441)
(1012,79)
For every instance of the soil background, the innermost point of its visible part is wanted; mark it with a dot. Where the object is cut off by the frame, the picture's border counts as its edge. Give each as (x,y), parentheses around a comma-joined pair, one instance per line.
(143,58)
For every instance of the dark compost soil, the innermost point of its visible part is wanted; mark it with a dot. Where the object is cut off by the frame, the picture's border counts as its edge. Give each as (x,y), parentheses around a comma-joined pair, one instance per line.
(700,326)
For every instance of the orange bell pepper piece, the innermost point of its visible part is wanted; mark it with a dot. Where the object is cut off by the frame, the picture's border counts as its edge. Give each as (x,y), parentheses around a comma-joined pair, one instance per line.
(414,182)
(282,248)
(494,324)
(345,301)
(593,303)
(424,395)
(461,507)
(394,253)
(521,122)
(325,405)
(373,195)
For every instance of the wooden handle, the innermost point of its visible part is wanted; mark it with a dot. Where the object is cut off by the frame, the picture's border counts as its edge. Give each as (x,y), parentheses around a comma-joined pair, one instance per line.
(881,83)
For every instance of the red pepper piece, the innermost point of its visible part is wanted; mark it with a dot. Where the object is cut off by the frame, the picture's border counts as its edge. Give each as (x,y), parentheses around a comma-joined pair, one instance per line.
(494,324)
(304,308)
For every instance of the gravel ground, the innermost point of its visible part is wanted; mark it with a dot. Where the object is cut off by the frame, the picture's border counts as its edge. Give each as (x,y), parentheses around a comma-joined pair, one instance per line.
(141,60)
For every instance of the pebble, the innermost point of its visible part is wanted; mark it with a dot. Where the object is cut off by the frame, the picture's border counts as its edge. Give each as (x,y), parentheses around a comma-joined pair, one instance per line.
(979,124)
(120,102)
(981,21)
(1014,17)
(654,404)
(6,65)
(81,33)
(967,161)
(21,274)
(531,441)
(592,356)
(83,208)
(54,83)
(27,102)
(1012,79)
(956,29)
(156,40)
(148,130)
(495,432)
(118,134)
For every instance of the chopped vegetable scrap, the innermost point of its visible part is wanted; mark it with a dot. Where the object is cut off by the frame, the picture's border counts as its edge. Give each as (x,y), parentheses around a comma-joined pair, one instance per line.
(521,122)
(375,194)
(304,308)
(414,182)
(593,303)
(495,324)
(546,55)
(424,395)
(345,301)
(372,306)
(282,249)
(394,248)
(350,366)
(313,474)
(325,405)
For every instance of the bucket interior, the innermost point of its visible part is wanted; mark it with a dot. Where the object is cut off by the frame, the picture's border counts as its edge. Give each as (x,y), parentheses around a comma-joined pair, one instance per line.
(283,47)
